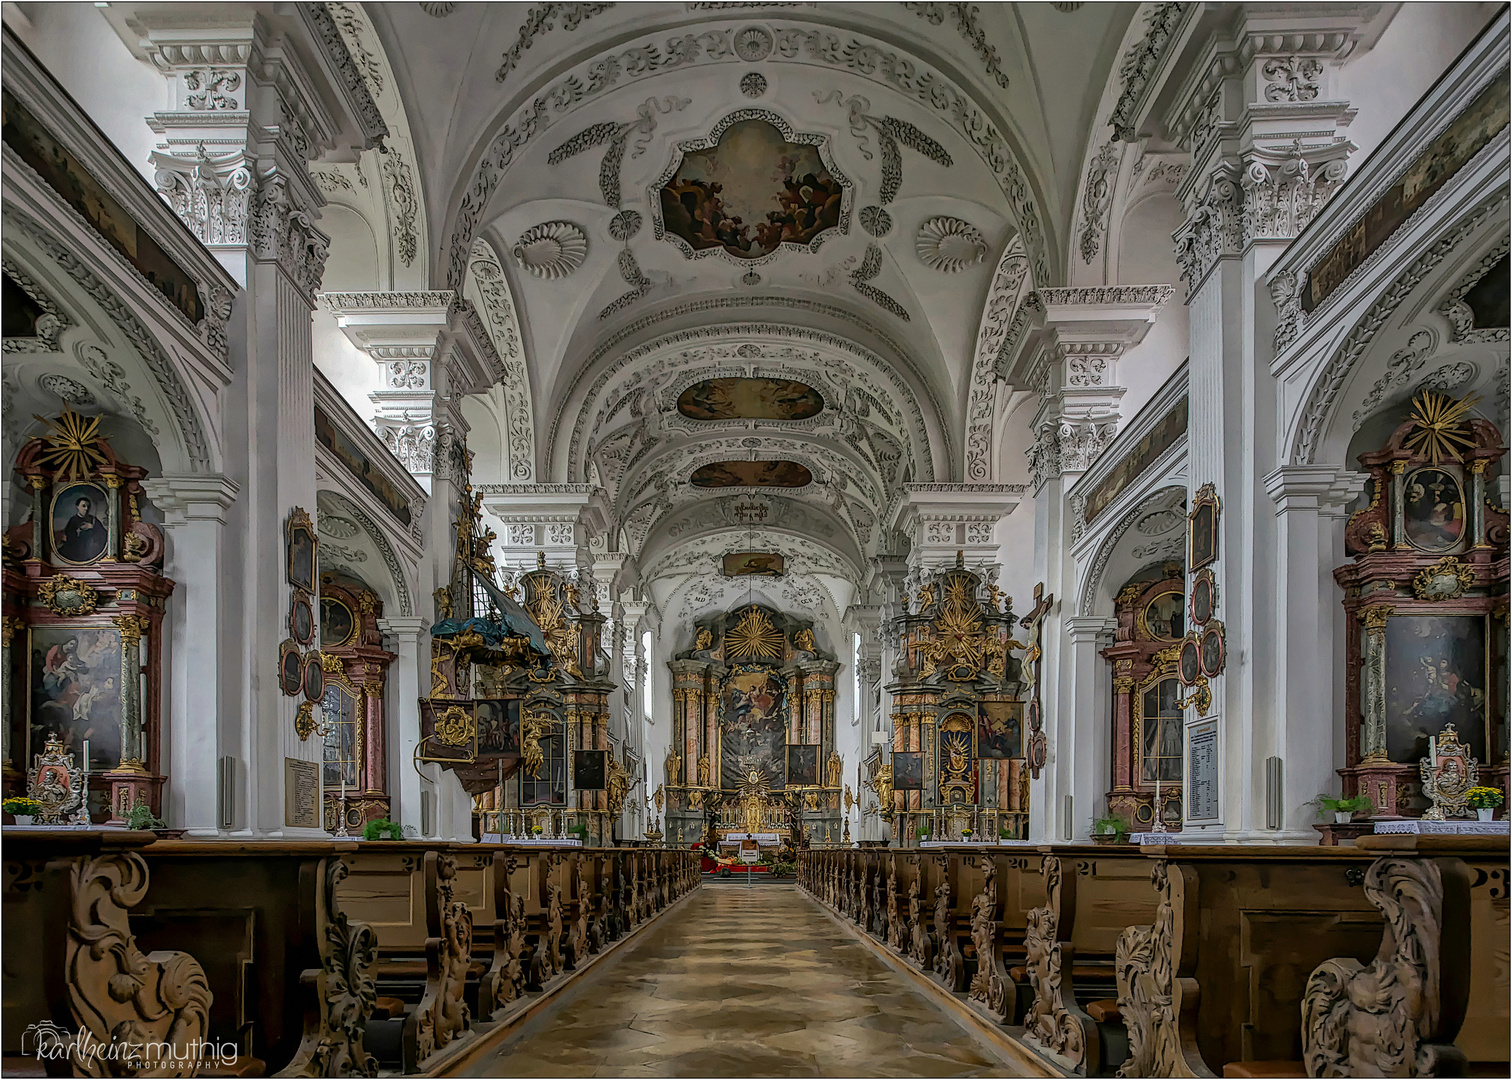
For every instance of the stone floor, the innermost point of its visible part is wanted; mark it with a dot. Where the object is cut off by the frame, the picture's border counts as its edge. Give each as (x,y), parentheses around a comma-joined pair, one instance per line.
(744,982)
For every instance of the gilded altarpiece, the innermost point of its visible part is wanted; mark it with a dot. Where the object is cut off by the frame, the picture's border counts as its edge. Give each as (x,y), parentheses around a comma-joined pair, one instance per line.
(84,600)
(1148,722)
(1425,593)
(958,713)
(753,711)
(519,682)
(355,758)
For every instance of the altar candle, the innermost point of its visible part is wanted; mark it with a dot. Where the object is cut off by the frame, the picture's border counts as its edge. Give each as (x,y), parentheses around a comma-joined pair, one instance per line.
(86,757)
(1433,750)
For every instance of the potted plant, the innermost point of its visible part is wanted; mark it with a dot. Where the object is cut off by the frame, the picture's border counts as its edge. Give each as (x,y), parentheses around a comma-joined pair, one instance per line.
(784,869)
(141,818)
(535,830)
(580,831)
(1343,810)
(23,810)
(1110,829)
(382,829)
(922,833)
(1484,799)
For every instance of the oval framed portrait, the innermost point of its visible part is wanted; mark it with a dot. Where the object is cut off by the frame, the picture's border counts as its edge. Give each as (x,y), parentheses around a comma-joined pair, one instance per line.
(80,529)
(1433,510)
(301,619)
(1214,650)
(337,623)
(290,667)
(1189,661)
(1204,597)
(314,678)
(1162,617)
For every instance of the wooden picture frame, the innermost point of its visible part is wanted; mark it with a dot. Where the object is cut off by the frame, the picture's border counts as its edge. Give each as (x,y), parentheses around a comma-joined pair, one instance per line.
(1213,650)
(301,619)
(314,678)
(1202,528)
(1189,660)
(300,545)
(80,539)
(1204,599)
(290,667)
(338,623)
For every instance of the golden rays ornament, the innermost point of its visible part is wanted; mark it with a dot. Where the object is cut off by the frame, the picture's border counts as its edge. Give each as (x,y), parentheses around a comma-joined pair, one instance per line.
(73,445)
(1442,430)
(754,635)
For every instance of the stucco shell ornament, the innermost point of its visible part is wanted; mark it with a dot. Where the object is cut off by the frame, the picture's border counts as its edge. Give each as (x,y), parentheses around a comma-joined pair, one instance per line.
(552,249)
(949,244)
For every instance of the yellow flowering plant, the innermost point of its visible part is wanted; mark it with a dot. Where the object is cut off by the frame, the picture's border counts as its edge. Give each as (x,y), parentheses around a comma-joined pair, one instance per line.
(1485,798)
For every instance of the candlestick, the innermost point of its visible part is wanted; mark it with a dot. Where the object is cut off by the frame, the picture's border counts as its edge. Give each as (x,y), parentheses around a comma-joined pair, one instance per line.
(86,757)
(1433,750)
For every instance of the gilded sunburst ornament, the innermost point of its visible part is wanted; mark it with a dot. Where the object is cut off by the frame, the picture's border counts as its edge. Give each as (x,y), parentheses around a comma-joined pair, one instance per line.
(753,635)
(1441,427)
(73,447)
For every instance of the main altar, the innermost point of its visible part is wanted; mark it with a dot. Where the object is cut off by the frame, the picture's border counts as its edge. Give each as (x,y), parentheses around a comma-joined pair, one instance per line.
(753,733)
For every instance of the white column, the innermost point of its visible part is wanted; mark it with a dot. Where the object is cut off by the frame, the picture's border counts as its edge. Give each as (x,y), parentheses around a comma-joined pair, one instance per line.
(1085,717)
(1308,682)
(408,681)
(199,712)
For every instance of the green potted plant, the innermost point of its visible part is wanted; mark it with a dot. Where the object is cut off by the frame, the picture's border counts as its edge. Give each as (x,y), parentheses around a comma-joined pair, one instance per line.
(1485,800)
(141,818)
(1343,810)
(580,831)
(23,810)
(382,829)
(784,869)
(1111,829)
(922,832)
(1004,833)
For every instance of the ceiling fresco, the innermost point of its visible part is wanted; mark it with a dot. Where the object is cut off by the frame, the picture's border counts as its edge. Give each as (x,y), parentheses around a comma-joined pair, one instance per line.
(751,192)
(723,474)
(750,399)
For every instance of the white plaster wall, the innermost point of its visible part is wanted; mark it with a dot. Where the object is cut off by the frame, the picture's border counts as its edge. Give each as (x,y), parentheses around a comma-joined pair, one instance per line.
(1147,257)
(1384,83)
(85,55)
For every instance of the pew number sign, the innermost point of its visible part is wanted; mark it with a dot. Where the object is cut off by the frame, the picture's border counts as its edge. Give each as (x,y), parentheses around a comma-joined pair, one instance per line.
(1202,773)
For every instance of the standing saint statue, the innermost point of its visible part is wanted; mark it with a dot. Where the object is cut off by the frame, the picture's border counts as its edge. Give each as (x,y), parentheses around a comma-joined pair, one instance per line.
(835,767)
(674,766)
(703,771)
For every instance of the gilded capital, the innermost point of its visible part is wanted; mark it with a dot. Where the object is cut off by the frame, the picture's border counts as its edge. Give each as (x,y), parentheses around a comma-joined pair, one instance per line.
(131,627)
(1374,618)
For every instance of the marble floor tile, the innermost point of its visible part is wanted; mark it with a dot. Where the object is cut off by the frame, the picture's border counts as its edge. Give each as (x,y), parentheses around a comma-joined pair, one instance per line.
(745,982)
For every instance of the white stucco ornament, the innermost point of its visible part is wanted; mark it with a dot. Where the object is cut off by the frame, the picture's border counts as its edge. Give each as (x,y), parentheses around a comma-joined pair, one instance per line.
(949,244)
(552,249)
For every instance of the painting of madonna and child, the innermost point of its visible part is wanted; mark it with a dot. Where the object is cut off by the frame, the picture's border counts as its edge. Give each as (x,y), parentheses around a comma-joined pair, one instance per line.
(751,193)
(753,733)
(75,691)
(1435,675)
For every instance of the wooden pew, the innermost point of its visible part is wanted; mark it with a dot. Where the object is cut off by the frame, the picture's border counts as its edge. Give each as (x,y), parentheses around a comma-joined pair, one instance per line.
(1218,980)
(68,938)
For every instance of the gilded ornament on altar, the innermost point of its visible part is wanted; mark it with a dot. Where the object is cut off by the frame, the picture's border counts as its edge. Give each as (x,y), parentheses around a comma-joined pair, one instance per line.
(704,640)
(72,445)
(674,767)
(753,636)
(65,595)
(533,727)
(1448,773)
(834,769)
(659,798)
(703,771)
(1446,579)
(882,784)
(304,720)
(804,640)
(56,784)
(455,727)
(850,800)
(811,800)
(1442,430)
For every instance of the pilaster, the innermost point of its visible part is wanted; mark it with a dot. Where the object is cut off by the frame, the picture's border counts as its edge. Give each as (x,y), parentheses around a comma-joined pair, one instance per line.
(940,520)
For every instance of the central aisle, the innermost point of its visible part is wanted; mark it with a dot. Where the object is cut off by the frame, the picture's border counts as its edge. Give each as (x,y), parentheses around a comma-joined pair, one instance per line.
(744,981)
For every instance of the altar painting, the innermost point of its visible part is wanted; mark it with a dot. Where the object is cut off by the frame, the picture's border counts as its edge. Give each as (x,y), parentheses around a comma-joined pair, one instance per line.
(753,725)
(803,766)
(1435,675)
(498,725)
(75,691)
(1000,729)
(1433,512)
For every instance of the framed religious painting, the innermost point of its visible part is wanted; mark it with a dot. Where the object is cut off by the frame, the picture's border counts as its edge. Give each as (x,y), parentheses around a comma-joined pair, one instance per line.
(337,623)
(76,692)
(1000,729)
(498,725)
(1204,599)
(589,770)
(1433,510)
(290,667)
(1214,650)
(802,766)
(300,541)
(314,677)
(1189,660)
(1436,669)
(1163,617)
(80,532)
(301,619)
(1202,528)
(908,770)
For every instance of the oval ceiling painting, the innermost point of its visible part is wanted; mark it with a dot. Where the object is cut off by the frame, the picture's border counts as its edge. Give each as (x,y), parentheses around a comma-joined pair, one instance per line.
(750,193)
(750,399)
(724,474)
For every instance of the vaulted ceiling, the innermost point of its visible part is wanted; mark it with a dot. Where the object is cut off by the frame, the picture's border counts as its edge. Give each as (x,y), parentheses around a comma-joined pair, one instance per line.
(842,182)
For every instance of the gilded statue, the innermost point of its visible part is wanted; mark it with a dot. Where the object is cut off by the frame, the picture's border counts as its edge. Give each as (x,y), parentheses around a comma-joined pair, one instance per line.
(617,784)
(532,757)
(850,800)
(804,639)
(674,766)
(703,771)
(882,784)
(834,769)
(659,798)
(704,640)
(811,800)
(695,799)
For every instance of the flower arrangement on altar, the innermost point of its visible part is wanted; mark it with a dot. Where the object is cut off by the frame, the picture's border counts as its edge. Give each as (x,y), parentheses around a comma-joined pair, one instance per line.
(1485,800)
